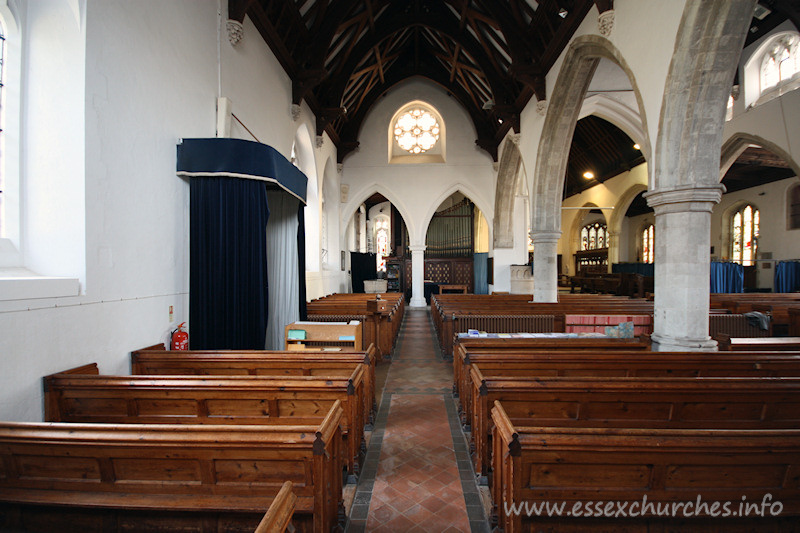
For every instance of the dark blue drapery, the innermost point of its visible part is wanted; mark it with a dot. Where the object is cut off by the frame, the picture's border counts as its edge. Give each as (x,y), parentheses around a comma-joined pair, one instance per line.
(787,276)
(228,290)
(481,269)
(726,277)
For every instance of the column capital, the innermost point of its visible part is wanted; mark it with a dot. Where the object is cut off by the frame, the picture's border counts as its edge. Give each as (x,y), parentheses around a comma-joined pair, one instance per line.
(545,236)
(683,199)
(417,248)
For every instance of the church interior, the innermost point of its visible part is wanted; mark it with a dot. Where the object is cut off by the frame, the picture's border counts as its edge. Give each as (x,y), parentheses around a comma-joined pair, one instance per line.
(399,265)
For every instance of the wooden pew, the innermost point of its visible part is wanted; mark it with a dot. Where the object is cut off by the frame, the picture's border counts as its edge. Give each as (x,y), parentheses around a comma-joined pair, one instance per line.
(135,477)
(728,343)
(152,361)
(278,518)
(610,401)
(610,363)
(578,465)
(223,400)
(467,343)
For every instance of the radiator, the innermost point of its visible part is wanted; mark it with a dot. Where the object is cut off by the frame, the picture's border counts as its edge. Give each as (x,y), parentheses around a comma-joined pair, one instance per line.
(735,326)
(504,323)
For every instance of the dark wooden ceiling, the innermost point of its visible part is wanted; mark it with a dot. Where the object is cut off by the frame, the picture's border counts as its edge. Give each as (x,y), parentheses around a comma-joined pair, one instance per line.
(601,148)
(342,55)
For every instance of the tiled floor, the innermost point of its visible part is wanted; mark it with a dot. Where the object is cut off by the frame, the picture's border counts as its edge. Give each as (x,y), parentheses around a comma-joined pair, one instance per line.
(417,475)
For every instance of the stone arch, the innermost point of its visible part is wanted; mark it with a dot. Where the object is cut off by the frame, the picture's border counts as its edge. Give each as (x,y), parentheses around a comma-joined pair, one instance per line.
(349,210)
(618,216)
(421,231)
(618,114)
(738,143)
(329,205)
(562,114)
(709,42)
(510,172)
(303,148)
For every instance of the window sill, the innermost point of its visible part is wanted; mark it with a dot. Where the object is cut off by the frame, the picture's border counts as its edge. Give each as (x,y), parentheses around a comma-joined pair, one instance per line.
(22,284)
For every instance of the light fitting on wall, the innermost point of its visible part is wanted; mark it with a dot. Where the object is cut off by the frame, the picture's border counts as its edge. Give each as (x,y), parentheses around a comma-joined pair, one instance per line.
(588,175)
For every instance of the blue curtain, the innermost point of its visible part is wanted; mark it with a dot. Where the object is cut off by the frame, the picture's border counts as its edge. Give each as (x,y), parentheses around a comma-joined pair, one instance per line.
(228,289)
(481,270)
(645,269)
(726,277)
(787,276)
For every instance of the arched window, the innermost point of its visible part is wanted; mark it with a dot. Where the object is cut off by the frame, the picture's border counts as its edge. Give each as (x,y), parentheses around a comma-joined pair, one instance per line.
(794,207)
(594,236)
(648,241)
(382,242)
(416,134)
(780,62)
(744,233)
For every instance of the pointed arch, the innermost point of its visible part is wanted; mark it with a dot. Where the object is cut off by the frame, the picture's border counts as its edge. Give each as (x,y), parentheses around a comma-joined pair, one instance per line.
(618,114)
(564,108)
(738,143)
(303,152)
(422,230)
(510,172)
(349,210)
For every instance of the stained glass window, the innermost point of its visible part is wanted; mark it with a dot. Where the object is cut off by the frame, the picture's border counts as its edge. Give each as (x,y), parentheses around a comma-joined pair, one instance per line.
(744,235)
(648,239)
(416,131)
(382,241)
(594,236)
(781,62)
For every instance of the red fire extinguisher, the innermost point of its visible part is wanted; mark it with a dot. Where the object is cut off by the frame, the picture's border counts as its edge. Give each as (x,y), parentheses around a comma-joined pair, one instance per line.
(180,339)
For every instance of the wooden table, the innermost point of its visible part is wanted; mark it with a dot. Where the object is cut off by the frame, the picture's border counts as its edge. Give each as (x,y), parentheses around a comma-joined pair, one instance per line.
(452,288)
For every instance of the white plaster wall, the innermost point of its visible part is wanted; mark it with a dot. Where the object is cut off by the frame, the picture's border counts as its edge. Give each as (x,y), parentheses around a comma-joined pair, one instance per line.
(151,78)
(417,190)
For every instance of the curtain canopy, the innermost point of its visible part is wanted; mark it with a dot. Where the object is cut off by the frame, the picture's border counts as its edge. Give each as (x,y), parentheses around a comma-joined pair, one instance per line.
(239,158)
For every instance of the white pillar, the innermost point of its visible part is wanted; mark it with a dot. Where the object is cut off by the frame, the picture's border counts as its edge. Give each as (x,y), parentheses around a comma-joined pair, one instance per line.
(545,265)
(417,275)
(362,229)
(682,260)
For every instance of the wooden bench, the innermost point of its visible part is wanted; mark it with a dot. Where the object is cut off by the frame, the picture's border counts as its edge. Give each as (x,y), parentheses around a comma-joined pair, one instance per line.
(473,344)
(157,361)
(132,477)
(594,466)
(610,401)
(610,363)
(728,343)
(91,398)
(278,518)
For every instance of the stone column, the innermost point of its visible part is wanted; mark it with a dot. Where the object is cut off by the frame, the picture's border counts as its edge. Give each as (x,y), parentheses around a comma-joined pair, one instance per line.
(613,248)
(682,260)
(545,266)
(417,275)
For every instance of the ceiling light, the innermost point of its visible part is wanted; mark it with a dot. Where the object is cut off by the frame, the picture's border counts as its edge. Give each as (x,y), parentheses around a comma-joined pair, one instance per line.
(636,147)
(563,13)
(588,175)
